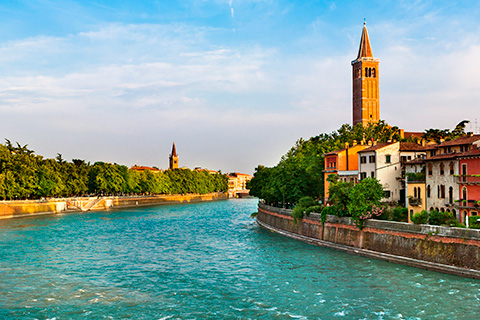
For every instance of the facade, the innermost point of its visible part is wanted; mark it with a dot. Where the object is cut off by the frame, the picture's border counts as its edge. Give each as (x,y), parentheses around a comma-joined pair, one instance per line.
(173,159)
(416,200)
(237,184)
(468,181)
(366,94)
(386,162)
(343,163)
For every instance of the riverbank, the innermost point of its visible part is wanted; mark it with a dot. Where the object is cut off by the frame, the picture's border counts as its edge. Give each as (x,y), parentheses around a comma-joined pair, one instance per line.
(28,208)
(442,249)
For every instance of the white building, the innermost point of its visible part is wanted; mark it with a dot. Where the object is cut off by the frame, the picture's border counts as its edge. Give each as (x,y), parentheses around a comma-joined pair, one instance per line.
(386,163)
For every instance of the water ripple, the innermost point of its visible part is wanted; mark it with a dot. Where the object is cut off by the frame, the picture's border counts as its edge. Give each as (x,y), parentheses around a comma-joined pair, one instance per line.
(204,261)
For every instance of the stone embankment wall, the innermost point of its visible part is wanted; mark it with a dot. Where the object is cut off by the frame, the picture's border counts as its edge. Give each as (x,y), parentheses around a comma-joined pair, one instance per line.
(443,249)
(14,209)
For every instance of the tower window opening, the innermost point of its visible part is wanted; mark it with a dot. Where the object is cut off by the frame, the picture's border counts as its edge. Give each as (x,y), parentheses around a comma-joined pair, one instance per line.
(366,72)
(374,73)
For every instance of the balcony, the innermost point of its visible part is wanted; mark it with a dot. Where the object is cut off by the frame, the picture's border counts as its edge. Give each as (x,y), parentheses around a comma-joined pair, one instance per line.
(467,204)
(468,179)
(414,202)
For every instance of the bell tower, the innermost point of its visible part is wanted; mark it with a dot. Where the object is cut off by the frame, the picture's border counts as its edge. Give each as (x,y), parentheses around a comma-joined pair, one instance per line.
(366,101)
(173,158)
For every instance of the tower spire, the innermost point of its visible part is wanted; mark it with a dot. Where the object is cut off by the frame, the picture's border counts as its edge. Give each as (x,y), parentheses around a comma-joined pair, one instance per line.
(173,159)
(365,50)
(366,102)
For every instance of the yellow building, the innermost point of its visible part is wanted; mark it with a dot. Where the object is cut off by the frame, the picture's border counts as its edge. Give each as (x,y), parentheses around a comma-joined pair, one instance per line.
(343,163)
(237,184)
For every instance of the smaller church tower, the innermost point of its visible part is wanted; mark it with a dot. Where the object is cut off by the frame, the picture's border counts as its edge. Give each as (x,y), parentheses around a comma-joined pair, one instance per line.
(173,158)
(366,100)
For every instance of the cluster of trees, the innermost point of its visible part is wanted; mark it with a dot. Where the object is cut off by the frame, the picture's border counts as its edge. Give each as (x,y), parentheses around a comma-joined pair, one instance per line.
(299,172)
(24,175)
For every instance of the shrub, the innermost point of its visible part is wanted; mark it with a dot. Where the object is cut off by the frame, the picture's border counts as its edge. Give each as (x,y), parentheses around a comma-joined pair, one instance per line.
(439,218)
(473,223)
(305,206)
(420,217)
(307,202)
(399,214)
(331,210)
(316,209)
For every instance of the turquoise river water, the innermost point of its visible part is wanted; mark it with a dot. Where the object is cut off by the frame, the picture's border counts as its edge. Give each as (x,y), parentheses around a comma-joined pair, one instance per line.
(205,261)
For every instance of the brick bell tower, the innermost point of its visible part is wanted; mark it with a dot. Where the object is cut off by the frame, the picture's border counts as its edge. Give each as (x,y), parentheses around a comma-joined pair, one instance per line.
(366,101)
(173,159)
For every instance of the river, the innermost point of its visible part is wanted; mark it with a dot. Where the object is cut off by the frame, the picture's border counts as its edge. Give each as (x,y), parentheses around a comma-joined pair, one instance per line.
(204,261)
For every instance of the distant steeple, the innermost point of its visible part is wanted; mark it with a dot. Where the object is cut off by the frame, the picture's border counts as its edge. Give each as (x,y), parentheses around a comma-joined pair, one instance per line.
(365,50)
(173,159)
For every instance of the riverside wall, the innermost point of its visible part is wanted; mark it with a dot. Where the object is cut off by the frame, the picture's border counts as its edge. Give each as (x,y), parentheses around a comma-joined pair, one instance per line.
(26,208)
(443,249)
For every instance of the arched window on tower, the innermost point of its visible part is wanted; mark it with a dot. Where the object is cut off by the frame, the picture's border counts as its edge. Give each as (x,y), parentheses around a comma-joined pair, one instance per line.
(366,72)
(374,74)
(369,72)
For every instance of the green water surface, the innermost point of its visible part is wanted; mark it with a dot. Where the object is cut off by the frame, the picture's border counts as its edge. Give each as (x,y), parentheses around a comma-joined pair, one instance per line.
(205,261)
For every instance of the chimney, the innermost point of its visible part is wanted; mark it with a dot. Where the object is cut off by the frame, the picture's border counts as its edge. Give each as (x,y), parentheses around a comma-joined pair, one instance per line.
(469,134)
(402,133)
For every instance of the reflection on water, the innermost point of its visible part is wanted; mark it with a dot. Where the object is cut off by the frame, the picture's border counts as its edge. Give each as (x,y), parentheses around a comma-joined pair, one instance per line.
(204,261)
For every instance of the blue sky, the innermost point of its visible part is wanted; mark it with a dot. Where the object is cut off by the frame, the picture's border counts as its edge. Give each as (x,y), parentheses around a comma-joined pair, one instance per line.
(233,83)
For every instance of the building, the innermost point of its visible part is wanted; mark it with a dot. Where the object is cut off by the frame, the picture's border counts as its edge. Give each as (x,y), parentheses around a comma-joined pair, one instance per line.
(416,200)
(386,162)
(468,182)
(237,184)
(144,168)
(366,100)
(343,163)
(173,159)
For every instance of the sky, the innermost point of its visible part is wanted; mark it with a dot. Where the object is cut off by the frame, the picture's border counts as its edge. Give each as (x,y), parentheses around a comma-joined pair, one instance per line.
(233,83)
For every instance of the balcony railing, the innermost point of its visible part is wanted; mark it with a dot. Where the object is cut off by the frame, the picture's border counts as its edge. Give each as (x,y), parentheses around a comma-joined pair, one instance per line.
(468,179)
(467,203)
(414,201)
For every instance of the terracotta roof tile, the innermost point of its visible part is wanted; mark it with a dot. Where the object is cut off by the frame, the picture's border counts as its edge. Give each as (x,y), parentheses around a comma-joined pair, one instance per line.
(376,147)
(461,141)
(411,146)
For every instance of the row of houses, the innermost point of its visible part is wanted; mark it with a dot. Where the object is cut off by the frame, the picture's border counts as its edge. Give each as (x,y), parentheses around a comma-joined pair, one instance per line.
(443,176)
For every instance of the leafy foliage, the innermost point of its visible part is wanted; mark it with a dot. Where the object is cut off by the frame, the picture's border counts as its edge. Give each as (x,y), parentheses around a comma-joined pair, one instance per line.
(24,175)
(420,217)
(299,172)
(304,207)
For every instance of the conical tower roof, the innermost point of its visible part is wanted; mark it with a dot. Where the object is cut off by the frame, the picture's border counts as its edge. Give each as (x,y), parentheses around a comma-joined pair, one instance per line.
(174,150)
(365,50)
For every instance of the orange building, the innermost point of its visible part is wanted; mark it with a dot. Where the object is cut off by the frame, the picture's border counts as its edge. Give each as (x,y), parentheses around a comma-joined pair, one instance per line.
(343,163)
(366,100)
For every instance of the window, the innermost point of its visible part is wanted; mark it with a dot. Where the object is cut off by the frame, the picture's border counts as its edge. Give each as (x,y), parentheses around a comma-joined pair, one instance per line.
(442,191)
(374,74)
(419,193)
(363,159)
(451,168)
(442,169)
(372,174)
(388,158)
(415,192)
(363,175)
(433,152)
(430,169)
(371,159)
(386,193)
(428,191)
(464,194)
(464,172)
